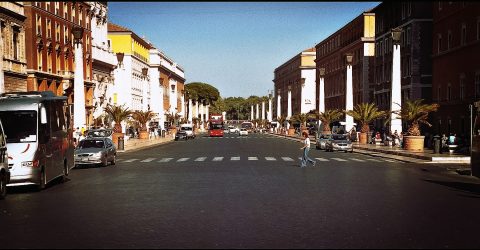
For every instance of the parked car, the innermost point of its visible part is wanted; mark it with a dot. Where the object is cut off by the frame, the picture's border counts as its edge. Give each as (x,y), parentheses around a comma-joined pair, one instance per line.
(321,140)
(4,171)
(339,142)
(233,129)
(243,131)
(188,128)
(103,132)
(181,135)
(93,151)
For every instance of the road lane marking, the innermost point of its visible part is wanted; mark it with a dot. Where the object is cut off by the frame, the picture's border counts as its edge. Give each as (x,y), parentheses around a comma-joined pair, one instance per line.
(148,160)
(375,160)
(201,159)
(131,160)
(389,160)
(320,159)
(287,159)
(165,160)
(338,159)
(235,158)
(217,159)
(270,158)
(182,159)
(252,158)
(355,159)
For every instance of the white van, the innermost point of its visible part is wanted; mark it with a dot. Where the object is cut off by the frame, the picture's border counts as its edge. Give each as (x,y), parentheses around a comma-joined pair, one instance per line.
(188,128)
(39,134)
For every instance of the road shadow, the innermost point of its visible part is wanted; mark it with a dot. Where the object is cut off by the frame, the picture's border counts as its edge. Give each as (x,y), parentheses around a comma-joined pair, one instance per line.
(471,190)
(33,188)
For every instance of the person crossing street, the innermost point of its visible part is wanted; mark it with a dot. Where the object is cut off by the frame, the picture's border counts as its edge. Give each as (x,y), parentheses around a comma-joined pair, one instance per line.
(306,149)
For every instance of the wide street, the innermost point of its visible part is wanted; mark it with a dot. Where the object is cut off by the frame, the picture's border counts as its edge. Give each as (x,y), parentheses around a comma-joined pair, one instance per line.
(246,192)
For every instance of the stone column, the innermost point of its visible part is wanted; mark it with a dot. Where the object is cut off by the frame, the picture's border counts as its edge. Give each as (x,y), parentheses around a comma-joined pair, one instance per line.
(279,104)
(251,116)
(190,111)
(396,91)
(257,114)
(270,111)
(79,119)
(321,93)
(207,112)
(289,106)
(263,110)
(349,94)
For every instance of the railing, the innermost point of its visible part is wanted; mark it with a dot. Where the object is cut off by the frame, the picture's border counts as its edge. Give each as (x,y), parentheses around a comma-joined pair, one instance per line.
(103,55)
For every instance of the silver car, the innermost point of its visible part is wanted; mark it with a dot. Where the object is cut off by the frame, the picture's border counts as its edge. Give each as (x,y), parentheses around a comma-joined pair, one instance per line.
(339,142)
(322,140)
(102,132)
(93,151)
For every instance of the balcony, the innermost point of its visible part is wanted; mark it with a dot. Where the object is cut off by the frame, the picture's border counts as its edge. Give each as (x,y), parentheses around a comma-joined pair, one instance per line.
(103,55)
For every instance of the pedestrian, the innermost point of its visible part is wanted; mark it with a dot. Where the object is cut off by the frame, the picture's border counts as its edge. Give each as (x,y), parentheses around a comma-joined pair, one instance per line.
(306,149)
(396,138)
(400,139)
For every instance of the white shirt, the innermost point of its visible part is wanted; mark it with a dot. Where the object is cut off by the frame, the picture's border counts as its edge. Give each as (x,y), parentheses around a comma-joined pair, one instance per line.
(307,142)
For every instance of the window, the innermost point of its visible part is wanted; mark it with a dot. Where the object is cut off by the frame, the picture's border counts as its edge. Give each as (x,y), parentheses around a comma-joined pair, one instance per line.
(49,28)
(408,36)
(49,62)
(73,13)
(403,10)
(39,25)
(477,85)
(57,63)
(449,39)
(80,17)
(57,8)
(15,42)
(439,43)
(409,5)
(65,35)
(57,32)
(439,93)
(464,34)
(39,59)
(47,6)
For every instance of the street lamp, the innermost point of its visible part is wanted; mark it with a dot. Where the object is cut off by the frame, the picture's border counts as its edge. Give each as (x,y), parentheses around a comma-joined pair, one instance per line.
(321,91)
(79,113)
(349,57)
(349,92)
(120,58)
(396,35)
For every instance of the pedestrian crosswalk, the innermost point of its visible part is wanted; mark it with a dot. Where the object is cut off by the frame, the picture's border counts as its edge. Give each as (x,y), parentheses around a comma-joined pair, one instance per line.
(251,158)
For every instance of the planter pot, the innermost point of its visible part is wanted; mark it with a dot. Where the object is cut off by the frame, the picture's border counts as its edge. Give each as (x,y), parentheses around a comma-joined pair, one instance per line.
(143,135)
(414,143)
(362,139)
(173,131)
(291,131)
(115,138)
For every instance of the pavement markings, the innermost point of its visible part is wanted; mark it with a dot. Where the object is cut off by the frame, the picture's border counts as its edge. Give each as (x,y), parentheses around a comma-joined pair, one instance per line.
(182,159)
(201,159)
(165,160)
(287,159)
(148,160)
(320,159)
(339,159)
(235,158)
(252,158)
(217,159)
(355,159)
(375,160)
(270,158)
(131,160)
(388,160)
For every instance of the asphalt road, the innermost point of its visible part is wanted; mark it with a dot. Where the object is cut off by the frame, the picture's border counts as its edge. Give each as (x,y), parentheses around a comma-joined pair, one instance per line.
(246,193)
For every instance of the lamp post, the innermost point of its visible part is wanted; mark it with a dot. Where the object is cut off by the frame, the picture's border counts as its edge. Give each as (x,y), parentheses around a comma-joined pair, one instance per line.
(279,103)
(120,59)
(289,105)
(270,111)
(396,90)
(145,88)
(349,93)
(321,92)
(79,119)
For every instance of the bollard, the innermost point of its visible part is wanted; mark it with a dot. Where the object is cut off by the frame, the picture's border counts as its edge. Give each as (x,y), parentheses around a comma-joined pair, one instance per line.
(121,143)
(437,149)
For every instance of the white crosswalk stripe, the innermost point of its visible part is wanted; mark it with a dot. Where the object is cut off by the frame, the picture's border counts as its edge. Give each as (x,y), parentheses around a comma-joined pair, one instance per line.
(320,159)
(165,159)
(235,158)
(217,159)
(270,158)
(201,159)
(355,159)
(339,159)
(252,158)
(148,160)
(388,160)
(131,160)
(287,159)
(182,159)
(375,160)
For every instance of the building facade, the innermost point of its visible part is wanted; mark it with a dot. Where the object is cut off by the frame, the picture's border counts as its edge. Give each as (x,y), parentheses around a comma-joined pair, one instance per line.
(12,47)
(172,78)
(356,38)
(415,19)
(103,64)
(456,68)
(50,48)
(132,83)
(297,77)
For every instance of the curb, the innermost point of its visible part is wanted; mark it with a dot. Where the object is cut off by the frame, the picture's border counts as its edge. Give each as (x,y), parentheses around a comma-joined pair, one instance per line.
(144,147)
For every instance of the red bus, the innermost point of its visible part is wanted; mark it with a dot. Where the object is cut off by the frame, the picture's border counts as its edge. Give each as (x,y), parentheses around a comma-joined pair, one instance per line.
(215,127)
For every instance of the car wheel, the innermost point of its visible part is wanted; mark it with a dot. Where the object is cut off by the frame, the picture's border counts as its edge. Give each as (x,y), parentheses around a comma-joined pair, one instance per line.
(65,172)
(43,181)
(3,186)
(114,160)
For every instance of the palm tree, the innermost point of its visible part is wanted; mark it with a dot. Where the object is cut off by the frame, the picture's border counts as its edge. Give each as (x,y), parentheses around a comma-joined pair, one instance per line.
(118,115)
(142,117)
(302,118)
(416,113)
(281,120)
(328,117)
(365,113)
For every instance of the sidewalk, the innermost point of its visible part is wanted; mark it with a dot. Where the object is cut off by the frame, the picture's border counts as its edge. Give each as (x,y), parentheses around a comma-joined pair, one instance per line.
(398,153)
(133,144)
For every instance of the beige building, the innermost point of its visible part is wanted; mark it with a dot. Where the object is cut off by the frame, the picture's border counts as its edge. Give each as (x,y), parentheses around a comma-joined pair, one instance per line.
(12,47)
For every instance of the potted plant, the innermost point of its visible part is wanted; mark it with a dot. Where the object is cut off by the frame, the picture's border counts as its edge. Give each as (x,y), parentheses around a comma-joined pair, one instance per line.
(415,113)
(142,117)
(118,115)
(291,129)
(365,113)
(328,117)
(303,118)
(281,120)
(195,121)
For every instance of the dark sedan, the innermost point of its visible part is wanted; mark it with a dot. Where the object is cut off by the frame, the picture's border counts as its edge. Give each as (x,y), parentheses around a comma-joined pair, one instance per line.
(181,135)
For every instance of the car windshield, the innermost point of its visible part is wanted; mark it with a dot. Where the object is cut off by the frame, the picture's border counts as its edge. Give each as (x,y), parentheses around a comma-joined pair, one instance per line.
(100,133)
(186,128)
(91,144)
(19,126)
(339,137)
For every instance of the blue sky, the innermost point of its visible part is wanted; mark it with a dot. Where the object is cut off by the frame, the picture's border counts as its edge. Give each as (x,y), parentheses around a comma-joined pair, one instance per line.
(234,46)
